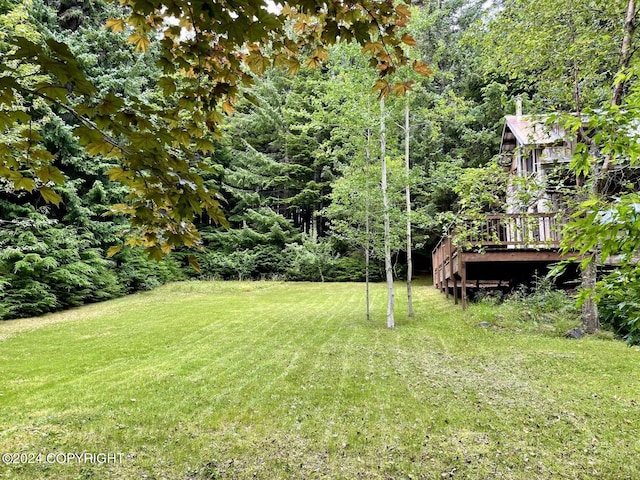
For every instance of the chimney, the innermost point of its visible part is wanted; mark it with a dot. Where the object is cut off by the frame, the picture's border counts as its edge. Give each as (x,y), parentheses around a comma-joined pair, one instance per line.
(519,106)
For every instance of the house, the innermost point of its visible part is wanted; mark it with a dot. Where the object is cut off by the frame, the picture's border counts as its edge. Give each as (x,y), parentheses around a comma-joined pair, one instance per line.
(534,151)
(511,248)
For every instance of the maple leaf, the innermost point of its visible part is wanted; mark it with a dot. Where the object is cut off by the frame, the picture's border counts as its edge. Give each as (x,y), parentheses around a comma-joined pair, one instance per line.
(257,62)
(373,48)
(403,10)
(50,196)
(141,42)
(54,92)
(113,250)
(25,183)
(109,105)
(422,68)
(167,85)
(51,174)
(320,53)
(193,261)
(408,39)
(115,24)
(228,108)
(400,89)
(383,87)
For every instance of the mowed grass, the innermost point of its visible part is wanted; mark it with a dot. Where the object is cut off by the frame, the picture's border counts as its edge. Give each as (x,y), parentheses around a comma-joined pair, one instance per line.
(288,380)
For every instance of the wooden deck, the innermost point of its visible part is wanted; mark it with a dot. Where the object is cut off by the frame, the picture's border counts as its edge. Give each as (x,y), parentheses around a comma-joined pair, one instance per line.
(501,251)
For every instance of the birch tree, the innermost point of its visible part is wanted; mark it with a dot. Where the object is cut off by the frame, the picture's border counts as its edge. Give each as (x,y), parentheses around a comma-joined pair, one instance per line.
(407,166)
(355,208)
(367,225)
(388,266)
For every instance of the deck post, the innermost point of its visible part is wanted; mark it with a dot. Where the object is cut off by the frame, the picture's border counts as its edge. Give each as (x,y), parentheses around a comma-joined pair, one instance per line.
(443,258)
(438,267)
(434,267)
(455,290)
(450,255)
(452,276)
(446,280)
(463,275)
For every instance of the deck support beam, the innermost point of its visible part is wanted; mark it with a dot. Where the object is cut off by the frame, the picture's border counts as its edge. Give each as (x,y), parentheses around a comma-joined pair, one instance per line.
(463,275)
(455,290)
(451,276)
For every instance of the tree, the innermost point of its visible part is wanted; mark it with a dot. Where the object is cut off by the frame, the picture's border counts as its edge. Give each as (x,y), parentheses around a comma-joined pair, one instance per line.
(457,107)
(354,199)
(590,316)
(407,138)
(54,256)
(600,160)
(594,162)
(206,54)
(456,113)
(388,267)
(564,53)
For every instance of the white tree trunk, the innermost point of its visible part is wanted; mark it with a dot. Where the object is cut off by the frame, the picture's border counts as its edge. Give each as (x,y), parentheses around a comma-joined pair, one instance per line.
(387,221)
(367,227)
(407,137)
(366,277)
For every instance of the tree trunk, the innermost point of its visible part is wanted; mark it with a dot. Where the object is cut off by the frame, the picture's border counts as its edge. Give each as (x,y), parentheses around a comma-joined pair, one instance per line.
(590,318)
(387,221)
(320,270)
(366,277)
(367,227)
(313,226)
(407,137)
(626,51)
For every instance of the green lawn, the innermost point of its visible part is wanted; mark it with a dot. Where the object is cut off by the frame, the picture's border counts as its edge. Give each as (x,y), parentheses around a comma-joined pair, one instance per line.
(273,380)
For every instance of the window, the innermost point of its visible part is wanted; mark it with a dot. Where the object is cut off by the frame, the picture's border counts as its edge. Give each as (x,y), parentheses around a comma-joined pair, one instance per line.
(530,162)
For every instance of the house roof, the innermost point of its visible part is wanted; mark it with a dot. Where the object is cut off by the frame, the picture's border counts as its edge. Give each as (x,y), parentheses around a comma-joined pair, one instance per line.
(529,130)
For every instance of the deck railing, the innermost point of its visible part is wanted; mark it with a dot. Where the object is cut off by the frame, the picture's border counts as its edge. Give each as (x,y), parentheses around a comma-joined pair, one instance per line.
(517,231)
(511,230)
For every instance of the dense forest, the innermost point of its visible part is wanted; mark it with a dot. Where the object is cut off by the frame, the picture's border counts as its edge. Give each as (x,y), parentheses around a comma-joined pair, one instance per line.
(292,169)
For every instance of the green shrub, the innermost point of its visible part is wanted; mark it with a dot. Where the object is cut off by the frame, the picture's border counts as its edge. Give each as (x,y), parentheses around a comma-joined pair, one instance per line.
(346,269)
(538,308)
(619,303)
(307,261)
(135,271)
(47,266)
(314,261)
(542,301)
(352,269)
